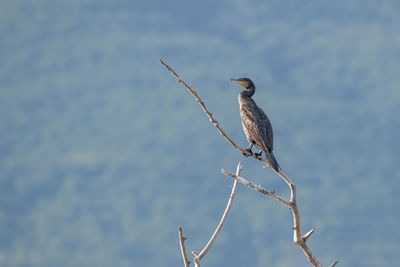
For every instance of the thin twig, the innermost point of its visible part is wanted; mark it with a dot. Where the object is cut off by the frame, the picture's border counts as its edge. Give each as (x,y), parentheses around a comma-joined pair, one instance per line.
(334,263)
(256,187)
(292,204)
(309,233)
(183,249)
(197,259)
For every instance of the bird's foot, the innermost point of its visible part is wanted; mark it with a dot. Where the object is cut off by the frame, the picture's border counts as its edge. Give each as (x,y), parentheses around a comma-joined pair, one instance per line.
(258,154)
(249,151)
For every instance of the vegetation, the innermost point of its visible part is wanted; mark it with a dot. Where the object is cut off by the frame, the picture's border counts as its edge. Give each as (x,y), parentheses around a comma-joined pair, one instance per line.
(103,156)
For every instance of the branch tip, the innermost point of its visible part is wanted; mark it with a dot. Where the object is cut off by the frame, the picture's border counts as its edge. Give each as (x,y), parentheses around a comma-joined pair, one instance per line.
(308,234)
(182,246)
(239,168)
(334,263)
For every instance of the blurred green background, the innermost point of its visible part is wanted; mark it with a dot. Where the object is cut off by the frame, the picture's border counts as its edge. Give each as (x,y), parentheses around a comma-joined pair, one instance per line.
(103,155)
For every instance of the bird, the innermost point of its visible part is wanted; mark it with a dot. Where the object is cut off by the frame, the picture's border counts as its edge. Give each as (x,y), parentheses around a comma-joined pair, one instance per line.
(256,124)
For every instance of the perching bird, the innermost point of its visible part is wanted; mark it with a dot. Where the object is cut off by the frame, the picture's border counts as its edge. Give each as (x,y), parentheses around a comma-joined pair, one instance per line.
(255,122)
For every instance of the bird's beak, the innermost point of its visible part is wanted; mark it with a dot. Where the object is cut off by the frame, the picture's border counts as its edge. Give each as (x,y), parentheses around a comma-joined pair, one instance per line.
(241,83)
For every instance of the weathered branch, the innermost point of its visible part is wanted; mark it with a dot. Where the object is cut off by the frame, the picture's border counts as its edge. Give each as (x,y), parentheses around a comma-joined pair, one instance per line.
(210,116)
(334,263)
(256,188)
(228,207)
(309,233)
(297,239)
(198,256)
(292,204)
(183,249)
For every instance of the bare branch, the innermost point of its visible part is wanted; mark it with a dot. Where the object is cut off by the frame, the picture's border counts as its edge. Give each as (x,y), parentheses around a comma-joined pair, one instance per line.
(228,207)
(296,217)
(292,204)
(210,116)
(183,249)
(216,124)
(199,256)
(309,233)
(297,239)
(334,263)
(256,187)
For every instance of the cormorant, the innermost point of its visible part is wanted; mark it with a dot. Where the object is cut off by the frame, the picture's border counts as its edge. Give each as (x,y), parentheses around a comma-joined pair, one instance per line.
(255,122)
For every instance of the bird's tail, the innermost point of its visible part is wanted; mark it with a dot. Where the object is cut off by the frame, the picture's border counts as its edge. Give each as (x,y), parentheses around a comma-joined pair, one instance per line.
(272,161)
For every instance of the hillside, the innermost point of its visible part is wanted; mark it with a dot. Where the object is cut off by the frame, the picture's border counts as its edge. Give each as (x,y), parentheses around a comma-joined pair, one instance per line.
(103,155)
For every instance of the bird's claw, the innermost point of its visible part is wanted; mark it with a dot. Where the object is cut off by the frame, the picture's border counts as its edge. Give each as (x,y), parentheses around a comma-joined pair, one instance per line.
(249,151)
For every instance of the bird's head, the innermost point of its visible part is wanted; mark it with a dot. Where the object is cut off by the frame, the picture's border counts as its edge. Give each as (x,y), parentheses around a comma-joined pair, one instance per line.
(245,82)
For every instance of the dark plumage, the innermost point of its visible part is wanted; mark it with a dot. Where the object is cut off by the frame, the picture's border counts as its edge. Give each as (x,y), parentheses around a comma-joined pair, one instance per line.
(255,122)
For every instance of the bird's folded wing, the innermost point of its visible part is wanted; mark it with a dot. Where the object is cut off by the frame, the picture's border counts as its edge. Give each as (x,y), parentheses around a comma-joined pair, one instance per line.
(258,126)
(268,134)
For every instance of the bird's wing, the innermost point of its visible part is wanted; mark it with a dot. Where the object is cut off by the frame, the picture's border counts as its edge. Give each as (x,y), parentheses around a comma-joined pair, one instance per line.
(258,125)
(267,130)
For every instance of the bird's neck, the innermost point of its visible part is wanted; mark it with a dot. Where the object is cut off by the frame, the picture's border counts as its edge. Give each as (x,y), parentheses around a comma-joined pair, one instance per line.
(248,92)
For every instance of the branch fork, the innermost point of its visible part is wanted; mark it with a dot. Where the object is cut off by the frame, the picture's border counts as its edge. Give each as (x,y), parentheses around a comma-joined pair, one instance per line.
(198,256)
